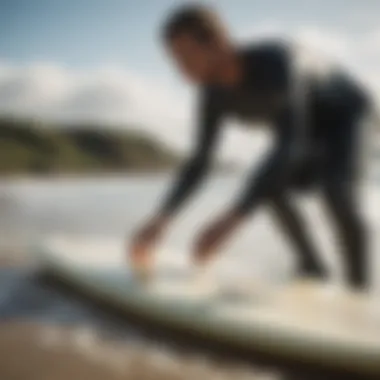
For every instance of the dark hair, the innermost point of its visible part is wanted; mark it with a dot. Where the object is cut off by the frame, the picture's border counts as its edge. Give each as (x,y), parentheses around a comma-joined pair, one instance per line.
(198,20)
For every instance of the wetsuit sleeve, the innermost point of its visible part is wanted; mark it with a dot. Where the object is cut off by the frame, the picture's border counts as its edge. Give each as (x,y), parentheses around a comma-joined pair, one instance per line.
(289,123)
(196,166)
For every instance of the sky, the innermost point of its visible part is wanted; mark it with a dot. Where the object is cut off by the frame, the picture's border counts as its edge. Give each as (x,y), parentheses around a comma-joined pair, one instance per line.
(101,60)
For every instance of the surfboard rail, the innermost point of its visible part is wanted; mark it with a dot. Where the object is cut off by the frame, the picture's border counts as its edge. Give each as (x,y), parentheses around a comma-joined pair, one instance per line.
(217,320)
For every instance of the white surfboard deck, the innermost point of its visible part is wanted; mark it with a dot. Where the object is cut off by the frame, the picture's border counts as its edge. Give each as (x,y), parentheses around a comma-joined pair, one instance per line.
(315,323)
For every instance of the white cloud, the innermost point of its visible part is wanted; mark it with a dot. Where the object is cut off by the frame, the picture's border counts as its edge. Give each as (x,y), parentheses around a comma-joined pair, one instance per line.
(109,95)
(32,89)
(331,44)
(360,52)
(114,95)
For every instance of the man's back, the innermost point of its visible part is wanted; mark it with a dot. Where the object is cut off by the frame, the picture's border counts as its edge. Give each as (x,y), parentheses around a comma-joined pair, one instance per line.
(272,71)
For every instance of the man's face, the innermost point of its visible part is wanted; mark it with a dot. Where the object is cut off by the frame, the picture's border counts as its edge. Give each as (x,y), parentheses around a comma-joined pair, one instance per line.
(196,60)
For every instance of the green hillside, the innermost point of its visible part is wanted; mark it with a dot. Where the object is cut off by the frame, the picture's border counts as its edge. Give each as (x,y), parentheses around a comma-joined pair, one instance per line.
(30,147)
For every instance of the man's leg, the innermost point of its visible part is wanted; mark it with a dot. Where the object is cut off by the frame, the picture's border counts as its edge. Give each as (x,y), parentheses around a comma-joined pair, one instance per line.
(343,137)
(294,226)
(343,210)
(341,180)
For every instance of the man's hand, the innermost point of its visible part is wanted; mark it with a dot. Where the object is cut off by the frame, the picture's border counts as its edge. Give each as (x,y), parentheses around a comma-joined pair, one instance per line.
(140,252)
(214,236)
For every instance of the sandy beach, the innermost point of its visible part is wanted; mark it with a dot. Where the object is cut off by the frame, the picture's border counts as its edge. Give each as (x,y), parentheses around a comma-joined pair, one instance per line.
(43,335)
(33,352)
(48,335)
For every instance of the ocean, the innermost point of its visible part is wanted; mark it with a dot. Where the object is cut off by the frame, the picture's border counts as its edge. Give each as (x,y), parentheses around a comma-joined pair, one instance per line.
(114,207)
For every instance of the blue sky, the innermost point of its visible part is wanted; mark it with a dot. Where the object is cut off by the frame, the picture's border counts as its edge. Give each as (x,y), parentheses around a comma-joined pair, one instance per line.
(83,33)
(101,59)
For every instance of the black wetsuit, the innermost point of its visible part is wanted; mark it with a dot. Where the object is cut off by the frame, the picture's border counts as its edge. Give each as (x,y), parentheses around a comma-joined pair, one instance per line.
(315,115)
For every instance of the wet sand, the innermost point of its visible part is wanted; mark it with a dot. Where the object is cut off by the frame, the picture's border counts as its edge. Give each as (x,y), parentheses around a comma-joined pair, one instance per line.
(47,335)
(29,351)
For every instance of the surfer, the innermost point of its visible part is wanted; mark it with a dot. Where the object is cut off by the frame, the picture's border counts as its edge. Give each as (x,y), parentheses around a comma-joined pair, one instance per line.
(314,111)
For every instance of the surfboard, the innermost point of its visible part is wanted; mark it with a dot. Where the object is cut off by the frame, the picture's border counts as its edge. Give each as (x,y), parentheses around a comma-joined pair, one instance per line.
(304,321)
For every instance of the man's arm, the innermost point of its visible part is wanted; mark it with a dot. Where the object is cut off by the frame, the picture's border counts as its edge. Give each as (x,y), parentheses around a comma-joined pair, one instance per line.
(196,167)
(290,122)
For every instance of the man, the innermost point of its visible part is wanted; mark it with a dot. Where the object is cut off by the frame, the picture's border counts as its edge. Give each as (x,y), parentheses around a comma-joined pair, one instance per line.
(314,113)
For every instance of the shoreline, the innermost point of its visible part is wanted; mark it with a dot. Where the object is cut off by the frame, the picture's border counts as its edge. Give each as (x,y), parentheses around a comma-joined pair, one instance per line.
(61,353)
(35,345)
(16,180)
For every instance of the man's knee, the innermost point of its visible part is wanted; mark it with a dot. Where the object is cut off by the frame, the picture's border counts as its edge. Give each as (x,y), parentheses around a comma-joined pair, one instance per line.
(278,201)
(339,196)
(344,207)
